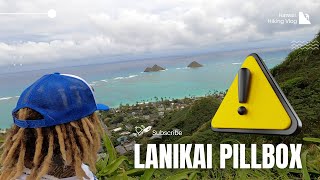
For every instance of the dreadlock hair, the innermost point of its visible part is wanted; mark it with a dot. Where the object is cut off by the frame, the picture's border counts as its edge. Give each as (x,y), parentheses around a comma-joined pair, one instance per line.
(50,150)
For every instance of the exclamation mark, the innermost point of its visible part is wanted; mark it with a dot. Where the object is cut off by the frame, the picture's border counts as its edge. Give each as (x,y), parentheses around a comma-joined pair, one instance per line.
(243,88)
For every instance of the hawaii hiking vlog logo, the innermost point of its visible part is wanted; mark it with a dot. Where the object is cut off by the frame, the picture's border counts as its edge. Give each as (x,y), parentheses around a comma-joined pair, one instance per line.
(304,18)
(290,18)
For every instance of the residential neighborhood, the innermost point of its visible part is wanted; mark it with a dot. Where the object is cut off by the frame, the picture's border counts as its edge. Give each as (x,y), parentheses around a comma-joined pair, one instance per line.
(128,123)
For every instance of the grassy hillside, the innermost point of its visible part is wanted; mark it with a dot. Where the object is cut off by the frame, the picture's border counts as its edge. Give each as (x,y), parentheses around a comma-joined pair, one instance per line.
(190,119)
(299,78)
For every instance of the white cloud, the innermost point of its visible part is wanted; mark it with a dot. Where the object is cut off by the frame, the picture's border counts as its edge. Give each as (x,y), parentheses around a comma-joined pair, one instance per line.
(88,29)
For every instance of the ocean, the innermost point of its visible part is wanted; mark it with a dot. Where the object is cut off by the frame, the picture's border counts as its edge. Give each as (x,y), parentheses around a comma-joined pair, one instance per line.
(126,83)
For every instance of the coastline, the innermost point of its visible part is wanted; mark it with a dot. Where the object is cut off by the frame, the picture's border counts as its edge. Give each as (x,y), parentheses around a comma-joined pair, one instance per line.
(124,84)
(154,99)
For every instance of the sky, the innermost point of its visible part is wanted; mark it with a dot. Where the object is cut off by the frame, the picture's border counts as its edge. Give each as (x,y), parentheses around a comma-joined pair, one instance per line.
(99,30)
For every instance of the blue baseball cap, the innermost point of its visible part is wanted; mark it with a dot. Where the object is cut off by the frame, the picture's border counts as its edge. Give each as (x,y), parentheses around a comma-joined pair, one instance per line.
(59,98)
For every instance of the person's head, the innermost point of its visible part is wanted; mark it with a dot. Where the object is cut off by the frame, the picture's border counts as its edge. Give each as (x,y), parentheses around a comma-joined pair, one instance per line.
(55,127)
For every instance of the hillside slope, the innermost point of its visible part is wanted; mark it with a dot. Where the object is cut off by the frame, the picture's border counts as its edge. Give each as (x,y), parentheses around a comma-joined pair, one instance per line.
(299,78)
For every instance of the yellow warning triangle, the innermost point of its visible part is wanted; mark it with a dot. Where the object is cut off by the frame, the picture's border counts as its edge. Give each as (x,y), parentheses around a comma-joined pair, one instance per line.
(255,103)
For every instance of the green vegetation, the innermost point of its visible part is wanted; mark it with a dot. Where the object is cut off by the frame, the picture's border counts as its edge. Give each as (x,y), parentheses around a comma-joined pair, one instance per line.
(299,78)
(189,119)
(113,167)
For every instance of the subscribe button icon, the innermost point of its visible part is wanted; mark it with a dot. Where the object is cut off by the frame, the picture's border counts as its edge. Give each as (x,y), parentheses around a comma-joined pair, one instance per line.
(255,104)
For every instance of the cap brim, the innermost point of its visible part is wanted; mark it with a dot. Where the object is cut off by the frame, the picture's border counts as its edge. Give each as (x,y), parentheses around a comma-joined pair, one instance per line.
(102,107)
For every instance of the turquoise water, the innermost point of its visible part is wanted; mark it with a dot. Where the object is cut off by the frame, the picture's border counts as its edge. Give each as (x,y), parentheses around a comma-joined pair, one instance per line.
(124,82)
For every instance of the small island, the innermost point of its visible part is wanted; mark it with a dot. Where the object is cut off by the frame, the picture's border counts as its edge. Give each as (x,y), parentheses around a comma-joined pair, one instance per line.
(154,68)
(194,64)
